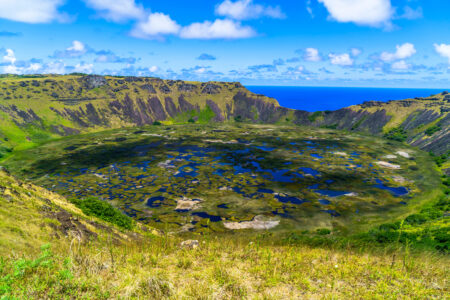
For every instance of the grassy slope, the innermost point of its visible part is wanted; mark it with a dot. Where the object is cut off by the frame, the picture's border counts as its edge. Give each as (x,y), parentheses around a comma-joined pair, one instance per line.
(223,267)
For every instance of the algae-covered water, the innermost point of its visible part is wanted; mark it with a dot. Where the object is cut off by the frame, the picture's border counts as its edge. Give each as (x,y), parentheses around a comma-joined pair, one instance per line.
(231,177)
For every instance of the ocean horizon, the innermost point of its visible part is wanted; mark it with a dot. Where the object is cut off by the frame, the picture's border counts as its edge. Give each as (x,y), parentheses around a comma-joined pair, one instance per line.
(333,98)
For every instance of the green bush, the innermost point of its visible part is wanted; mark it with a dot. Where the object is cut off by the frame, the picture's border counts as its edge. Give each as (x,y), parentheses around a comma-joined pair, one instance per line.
(157,123)
(92,206)
(397,134)
(432,130)
(323,231)
(314,116)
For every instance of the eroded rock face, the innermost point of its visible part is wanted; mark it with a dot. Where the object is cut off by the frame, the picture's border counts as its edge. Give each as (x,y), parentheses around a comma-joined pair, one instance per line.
(217,111)
(257,110)
(211,89)
(93,81)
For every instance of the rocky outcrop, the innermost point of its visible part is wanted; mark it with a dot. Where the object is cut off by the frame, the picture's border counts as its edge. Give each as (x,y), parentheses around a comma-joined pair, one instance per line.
(93,81)
(217,111)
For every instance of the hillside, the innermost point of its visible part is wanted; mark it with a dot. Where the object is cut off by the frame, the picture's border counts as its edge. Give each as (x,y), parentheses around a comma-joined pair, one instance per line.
(421,122)
(37,108)
(50,249)
(160,189)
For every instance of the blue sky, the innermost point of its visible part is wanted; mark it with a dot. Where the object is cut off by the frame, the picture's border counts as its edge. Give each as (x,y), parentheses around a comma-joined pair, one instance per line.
(378,43)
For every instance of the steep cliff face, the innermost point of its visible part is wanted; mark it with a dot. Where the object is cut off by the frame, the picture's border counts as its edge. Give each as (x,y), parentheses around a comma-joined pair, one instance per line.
(36,109)
(422,122)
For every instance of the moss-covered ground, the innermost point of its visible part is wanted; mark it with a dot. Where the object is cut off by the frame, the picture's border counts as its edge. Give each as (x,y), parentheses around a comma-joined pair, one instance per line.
(214,178)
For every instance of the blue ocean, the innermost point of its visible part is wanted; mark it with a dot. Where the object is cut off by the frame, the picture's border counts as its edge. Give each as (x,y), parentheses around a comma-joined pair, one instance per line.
(332,98)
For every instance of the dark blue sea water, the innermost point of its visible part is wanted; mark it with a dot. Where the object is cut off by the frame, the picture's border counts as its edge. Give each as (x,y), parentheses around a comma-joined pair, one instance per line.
(332,98)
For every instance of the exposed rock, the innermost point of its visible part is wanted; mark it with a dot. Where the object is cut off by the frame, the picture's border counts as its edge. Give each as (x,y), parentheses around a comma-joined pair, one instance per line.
(170,107)
(187,204)
(211,89)
(165,89)
(189,244)
(93,81)
(341,153)
(403,153)
(385,164)
(149,88)
(215,108)
(186,87)
(258,222)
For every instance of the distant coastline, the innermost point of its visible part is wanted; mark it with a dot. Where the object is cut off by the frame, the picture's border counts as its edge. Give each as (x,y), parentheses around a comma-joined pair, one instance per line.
(333,98)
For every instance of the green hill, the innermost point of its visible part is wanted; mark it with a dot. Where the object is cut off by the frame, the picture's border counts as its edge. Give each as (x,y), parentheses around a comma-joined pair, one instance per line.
(37,108)
(142,188)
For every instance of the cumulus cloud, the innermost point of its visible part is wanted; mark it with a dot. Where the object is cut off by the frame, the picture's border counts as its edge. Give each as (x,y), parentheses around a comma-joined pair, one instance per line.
(341,59)
(219,29)
(10,57)
(246,9)
(205,56)
(84,68)
(77,49)
(400,65)
(155,26)
(36,11)
(117,10)
(153,69)
(311,54)
(362,12)
(411,13)
(403,51)
(443,50)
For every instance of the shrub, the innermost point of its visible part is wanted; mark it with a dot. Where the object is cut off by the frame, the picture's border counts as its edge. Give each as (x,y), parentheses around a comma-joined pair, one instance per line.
(92,206)
(314,116)
(323,231)
(157,123)
(432,130)
(397,134)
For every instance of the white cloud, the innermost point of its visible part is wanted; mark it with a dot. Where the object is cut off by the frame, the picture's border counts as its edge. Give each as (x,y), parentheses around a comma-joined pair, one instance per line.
(84,68)
(311,54)
(246,9)
(355,52)
(10,57)
(400,65)
(443,50)
(341,59)
(34,11)
(153,69)
(219,29)
(403,51)
(411,14)
(77,46)
(361,12)
(157,25)
(117,10)
(55,67)
(77,49)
